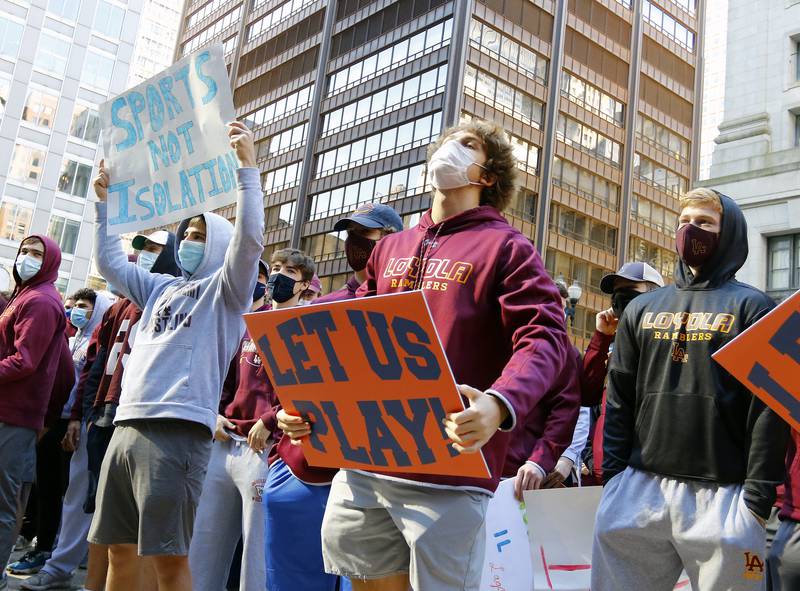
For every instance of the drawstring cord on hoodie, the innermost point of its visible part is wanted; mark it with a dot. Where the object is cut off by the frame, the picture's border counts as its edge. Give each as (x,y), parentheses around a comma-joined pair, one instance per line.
(424,256)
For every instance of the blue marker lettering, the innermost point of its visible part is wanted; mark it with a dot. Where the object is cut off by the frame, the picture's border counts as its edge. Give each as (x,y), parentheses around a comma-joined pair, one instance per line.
(155,108)
(122,189)
(137,105)
(183,76)
(173,106)
(187,138)
(207,80)
(143,203)
(120,123)
(187,199)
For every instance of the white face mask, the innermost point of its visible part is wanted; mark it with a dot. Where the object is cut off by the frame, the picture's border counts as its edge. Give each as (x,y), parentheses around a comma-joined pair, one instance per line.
(449,165)
(27,266)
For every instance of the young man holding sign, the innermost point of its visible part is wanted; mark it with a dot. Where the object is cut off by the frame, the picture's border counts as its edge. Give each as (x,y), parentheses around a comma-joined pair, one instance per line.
(500,320)
(190,329)
(691,458)
(296,491)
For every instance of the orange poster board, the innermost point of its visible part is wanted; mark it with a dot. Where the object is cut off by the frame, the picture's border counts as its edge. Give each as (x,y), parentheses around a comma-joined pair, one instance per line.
(373,378)
(766,359)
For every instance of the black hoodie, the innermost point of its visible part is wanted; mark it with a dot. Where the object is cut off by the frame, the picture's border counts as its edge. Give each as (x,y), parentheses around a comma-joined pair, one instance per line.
(674,411)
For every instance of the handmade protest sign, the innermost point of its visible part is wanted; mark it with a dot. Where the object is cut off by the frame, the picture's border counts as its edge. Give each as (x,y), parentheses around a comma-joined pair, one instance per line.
(561,532)
(372,377)
(766,359)
(507,564)
(166,145)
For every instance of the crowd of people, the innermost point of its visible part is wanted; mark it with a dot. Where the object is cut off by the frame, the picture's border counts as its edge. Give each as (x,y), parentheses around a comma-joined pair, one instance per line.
(140,435)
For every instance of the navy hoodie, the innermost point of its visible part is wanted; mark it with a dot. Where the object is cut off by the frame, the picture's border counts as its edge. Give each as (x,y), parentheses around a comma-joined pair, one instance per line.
(674,411)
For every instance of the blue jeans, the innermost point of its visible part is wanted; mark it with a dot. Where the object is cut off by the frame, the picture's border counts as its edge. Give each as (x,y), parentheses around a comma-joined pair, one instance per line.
(293,512)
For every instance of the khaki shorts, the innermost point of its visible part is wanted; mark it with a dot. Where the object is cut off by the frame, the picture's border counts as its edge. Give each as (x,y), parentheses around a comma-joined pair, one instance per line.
(376,527)
(150,484)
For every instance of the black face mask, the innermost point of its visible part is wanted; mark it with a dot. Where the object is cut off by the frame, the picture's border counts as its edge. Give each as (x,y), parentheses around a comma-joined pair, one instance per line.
(281,287)
(259,291)
(357,249)
(620,300)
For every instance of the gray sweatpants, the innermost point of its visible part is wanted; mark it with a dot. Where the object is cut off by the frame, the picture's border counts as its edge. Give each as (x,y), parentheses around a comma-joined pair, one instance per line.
(650,527)
(783,560)
(230,508)
(17,473)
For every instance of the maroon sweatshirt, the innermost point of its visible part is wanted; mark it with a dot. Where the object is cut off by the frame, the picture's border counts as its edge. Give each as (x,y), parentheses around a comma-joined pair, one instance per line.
(547,431)
(247,394)
(62,385)
(292,455)
(31,343)
(593,392)
(497,312)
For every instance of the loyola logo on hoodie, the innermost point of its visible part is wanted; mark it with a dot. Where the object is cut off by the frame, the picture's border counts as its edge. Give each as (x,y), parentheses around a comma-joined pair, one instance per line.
(436,276)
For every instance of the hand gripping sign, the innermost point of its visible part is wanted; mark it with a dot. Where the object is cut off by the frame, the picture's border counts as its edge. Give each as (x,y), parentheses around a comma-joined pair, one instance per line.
(766,359)
(166,146)
(371,376)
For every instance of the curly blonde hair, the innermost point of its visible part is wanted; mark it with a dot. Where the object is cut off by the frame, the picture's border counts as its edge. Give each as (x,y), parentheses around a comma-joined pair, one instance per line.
(500,161)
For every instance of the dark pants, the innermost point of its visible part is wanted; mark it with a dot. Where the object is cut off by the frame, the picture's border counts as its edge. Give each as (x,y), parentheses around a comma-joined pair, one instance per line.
(783,559)
(97,440)
(43,512)
(17,470)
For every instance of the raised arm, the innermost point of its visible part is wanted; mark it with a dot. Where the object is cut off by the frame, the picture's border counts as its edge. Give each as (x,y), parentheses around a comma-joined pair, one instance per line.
(240,269)
(133,281)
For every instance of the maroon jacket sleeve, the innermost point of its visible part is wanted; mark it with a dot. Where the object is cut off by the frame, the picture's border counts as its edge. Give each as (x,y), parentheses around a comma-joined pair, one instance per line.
(561,418)
(62,386)
(91,355)
(270,417)
(230,383)
(34,328)
(533,320)
(595,368)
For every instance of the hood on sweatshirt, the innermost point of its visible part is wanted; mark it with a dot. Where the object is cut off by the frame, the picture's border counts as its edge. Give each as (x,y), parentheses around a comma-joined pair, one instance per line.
(101,305)
(729,257)
(167,259)
(458,222)
(49,271)
(219,233)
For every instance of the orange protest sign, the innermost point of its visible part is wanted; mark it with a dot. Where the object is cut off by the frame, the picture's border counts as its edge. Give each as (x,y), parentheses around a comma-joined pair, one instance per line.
(766,359)
(373,378)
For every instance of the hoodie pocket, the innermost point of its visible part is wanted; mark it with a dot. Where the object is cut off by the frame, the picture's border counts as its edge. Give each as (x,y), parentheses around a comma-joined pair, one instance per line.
(678,434)
(157,373)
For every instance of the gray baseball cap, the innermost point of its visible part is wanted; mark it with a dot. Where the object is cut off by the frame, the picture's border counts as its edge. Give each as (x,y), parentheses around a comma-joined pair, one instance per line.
(634,272)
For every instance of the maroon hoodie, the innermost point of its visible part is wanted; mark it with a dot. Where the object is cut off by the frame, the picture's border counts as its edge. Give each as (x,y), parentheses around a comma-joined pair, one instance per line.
(292,455)
(497,312)
(547,431)
(31,342)
(790,509)
(247,394)
(62,386)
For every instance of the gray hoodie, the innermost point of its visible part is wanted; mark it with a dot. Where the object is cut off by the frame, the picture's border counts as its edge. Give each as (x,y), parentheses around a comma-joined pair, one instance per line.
(191,325)
(79,346)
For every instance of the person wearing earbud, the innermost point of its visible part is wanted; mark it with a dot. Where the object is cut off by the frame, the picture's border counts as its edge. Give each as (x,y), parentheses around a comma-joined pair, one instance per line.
(152,474)
(32,341)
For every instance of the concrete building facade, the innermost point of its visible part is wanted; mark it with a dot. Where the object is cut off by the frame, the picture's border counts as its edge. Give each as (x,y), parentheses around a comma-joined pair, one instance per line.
(757,154)
(59,59)
(599,98)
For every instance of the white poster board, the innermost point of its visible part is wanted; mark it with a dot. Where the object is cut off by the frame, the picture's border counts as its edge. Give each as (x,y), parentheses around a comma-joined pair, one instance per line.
(507,565)
(166,145)
(561,530)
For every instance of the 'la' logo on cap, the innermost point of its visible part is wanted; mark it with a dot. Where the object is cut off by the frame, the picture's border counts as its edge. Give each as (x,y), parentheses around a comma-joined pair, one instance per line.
(365,208)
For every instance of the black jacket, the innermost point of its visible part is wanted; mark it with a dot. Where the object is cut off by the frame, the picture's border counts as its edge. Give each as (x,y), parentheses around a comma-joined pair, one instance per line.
(674,411)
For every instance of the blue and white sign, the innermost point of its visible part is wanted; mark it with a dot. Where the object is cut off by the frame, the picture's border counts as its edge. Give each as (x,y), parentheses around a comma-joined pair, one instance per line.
(166,145)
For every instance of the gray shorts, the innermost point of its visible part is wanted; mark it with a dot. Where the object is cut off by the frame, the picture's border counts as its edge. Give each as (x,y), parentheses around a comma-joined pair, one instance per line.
(150,484)
(375,527)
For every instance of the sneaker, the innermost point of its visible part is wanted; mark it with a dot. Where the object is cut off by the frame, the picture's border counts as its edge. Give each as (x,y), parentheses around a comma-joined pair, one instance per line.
(31,562)
(44,580)
(24,544)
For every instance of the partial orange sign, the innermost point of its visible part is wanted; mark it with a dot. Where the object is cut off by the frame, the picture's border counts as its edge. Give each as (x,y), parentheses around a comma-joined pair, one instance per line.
(766,359)
(372,377)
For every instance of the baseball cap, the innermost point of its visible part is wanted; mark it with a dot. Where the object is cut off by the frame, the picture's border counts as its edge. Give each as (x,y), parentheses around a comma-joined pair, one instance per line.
(159,237)
(372,215)
(315,285)
(634,272)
